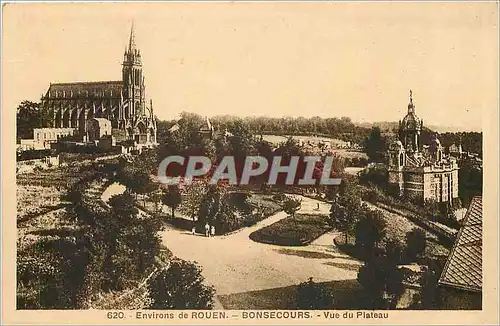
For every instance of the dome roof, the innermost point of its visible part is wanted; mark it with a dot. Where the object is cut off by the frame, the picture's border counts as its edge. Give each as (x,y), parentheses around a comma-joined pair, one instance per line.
(411,122)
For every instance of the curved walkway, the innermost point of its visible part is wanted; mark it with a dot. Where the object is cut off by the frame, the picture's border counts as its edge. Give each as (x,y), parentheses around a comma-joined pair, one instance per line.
(235,264)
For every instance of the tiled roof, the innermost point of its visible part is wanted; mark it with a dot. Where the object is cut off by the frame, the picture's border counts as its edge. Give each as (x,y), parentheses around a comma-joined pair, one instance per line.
(463,269)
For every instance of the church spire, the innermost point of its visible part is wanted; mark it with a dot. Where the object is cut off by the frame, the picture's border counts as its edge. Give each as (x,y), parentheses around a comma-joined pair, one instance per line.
(131,44)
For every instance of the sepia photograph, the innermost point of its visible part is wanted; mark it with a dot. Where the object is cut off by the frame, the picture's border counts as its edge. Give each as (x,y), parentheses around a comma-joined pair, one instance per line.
(310,161)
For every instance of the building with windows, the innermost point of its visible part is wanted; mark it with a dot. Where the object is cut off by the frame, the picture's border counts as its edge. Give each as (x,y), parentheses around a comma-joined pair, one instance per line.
(421,172)
(43,137)
(122,102)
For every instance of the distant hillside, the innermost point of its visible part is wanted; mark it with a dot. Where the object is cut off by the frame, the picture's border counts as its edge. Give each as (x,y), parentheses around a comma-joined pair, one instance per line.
(390,125)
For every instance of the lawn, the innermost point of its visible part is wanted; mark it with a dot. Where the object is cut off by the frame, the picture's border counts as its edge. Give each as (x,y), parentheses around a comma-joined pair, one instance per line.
(347,294)
(54,224)
(297,231)
(398,226)
(35,200)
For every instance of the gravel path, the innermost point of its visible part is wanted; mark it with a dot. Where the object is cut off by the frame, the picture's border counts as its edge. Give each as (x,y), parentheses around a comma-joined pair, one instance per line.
(235,264)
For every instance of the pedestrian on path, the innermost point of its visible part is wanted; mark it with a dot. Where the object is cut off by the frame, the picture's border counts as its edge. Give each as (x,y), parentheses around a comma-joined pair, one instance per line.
(212,230)
(193,230)
(207,230)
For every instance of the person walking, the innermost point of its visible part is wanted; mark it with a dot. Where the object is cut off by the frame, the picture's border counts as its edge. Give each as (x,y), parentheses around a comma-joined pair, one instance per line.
(212,231)
(207,230)
(193,230)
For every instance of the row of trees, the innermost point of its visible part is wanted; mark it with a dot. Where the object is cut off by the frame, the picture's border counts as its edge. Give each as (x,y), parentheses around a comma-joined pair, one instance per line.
(342,128)
(240,143)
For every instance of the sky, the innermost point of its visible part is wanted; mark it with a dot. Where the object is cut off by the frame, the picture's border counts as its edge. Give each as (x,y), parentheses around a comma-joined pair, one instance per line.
(268,59)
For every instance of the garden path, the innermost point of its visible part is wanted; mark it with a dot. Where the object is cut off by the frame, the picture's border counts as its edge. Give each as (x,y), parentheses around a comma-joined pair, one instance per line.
(235,264)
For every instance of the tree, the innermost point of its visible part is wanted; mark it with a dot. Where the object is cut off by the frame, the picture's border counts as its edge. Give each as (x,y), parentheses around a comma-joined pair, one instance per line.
(140,183)
(193,195)
(181,286)
(394,251)
(123,207)
(31,115)
(370,229)
(415,243)
(371,278)
(292,205)
(210,206)
(314,296)
(375,145)
(226,219)
(345,212)
(383,283)
(172,198)
(429,290)
(376,175)
(157,200)
(470,181)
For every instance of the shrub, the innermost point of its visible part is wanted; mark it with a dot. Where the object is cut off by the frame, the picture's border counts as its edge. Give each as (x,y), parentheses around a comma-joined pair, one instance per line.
(292,205)
(370,229)
(181,286)
(394,251)
(415,243)
(376,175)
(314,296)
(382,282)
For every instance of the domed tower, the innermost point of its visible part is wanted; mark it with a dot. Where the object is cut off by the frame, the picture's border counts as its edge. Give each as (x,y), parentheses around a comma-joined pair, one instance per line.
(410,128)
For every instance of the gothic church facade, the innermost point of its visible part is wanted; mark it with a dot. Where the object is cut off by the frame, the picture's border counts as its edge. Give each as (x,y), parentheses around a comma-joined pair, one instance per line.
(122,102)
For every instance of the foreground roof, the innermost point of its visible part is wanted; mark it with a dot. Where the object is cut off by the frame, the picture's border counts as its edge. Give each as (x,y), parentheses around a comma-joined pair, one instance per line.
(463,270)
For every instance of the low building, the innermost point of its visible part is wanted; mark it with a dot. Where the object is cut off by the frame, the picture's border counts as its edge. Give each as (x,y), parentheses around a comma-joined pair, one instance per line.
(44,137)
(98,128)
(417,171)
(461,279)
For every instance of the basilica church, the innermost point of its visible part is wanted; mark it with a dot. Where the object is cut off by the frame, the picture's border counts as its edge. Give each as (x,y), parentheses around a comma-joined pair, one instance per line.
(421,171)
(119,105)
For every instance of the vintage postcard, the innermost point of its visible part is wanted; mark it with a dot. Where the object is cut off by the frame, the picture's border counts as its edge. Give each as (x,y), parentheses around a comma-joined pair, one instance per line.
(250,163)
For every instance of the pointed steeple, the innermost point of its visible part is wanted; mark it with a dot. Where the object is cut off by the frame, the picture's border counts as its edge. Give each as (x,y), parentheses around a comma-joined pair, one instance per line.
(411,107)
(131,43)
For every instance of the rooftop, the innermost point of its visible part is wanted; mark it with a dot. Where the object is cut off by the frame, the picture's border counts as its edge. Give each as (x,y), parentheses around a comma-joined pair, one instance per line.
(463,270)
(85,89)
